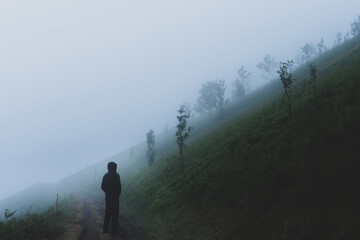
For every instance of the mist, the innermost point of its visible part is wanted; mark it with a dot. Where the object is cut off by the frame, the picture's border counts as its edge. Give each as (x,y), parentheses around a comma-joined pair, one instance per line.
(81,81)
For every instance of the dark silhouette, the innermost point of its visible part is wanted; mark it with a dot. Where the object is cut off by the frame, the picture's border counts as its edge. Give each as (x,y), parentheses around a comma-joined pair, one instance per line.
(182,132)
(111,185)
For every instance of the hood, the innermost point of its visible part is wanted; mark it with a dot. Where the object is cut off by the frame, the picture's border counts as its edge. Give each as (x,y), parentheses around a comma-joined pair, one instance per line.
(112,166)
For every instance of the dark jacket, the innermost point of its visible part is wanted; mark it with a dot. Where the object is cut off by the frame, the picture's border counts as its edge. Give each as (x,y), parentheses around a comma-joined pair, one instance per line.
(111,184)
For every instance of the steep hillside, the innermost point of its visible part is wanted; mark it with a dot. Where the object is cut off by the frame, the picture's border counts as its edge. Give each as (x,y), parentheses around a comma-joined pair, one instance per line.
(253,173)
(264,175)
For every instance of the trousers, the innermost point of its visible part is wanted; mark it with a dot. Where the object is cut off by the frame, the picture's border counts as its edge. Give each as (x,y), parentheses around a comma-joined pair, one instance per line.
(111,213)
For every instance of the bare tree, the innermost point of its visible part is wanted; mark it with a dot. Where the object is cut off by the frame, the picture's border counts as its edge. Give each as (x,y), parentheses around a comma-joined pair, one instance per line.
(308,51)
(241,83)
(182,132)
(287,80)
(313,74)
(268,66)
(321,47)
(338,39)
(355,27)
(150,140)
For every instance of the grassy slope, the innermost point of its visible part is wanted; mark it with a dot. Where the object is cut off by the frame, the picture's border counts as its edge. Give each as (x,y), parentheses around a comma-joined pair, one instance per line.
(264,176)
(253,174)
(35,224)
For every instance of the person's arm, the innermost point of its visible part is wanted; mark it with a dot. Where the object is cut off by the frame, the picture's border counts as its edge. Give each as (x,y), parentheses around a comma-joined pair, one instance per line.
(119,184)
(103,187)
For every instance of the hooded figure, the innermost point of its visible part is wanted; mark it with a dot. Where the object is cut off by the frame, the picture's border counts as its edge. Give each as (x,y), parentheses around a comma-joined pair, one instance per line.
(111,185)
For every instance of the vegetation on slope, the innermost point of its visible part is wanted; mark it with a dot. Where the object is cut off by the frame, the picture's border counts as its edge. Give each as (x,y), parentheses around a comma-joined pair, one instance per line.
(264,176)
(33,224)
(254,173)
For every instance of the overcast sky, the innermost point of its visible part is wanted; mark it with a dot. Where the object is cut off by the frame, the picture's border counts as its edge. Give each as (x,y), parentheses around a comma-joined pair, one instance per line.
(82,80)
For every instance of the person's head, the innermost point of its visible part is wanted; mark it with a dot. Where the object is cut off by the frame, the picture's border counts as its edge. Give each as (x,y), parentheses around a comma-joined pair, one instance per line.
(112,166)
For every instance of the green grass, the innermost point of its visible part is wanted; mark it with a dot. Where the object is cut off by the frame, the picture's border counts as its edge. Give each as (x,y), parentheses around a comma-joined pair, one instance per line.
(35,225)
(261,175)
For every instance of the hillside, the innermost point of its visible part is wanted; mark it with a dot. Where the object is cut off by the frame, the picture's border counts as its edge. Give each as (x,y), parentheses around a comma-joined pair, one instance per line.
(255,173)
(263,175)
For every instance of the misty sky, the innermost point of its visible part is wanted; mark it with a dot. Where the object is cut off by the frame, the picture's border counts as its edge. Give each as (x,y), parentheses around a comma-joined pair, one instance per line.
(82,80)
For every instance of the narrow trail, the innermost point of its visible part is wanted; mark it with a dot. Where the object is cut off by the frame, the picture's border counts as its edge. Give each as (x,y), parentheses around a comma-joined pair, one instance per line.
(92,212)
(88,222)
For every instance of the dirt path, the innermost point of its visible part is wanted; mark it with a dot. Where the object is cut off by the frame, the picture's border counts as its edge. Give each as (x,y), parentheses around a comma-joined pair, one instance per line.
(90,230)
(93,211)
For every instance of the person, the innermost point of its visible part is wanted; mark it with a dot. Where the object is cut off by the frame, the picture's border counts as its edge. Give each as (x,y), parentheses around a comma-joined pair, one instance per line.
(111,185)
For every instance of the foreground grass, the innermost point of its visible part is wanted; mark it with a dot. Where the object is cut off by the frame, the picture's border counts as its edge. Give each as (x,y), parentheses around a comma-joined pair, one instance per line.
(35,225)
(264,176)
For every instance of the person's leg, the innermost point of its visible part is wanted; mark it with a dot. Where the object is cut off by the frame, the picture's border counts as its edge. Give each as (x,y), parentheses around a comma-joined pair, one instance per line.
(107,220)
(115,214)
(108,213)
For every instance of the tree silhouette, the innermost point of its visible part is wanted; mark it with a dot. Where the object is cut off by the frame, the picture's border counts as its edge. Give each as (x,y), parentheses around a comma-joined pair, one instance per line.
(355,27)
(321,47)
(182,132)
(309,51)
(338,39)
(313,74)
(150,140)
(241,83)
(287,79)
(268,66)
(211,96)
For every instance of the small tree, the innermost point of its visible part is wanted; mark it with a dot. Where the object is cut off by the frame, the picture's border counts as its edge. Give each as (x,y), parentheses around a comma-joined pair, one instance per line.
(182,132)
(268,66)
(309,51)
(306,85)
(241,83)
(321,47)
(355,27)
(338,39)
(287,80)
(150,140)
(313,74)
(211,96)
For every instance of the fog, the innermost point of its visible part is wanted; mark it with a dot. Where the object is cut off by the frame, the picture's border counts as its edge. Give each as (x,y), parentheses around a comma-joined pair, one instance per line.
(82,80)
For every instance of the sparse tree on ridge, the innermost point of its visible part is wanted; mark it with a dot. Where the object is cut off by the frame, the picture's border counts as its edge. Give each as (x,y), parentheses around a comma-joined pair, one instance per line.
(338,39)
(211,96)
(182,132)
(311,85)
(241,83)
(313,74)
(355,27)
(287,80)
(309,52)
(321,47)
(268,66)
(150,140)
